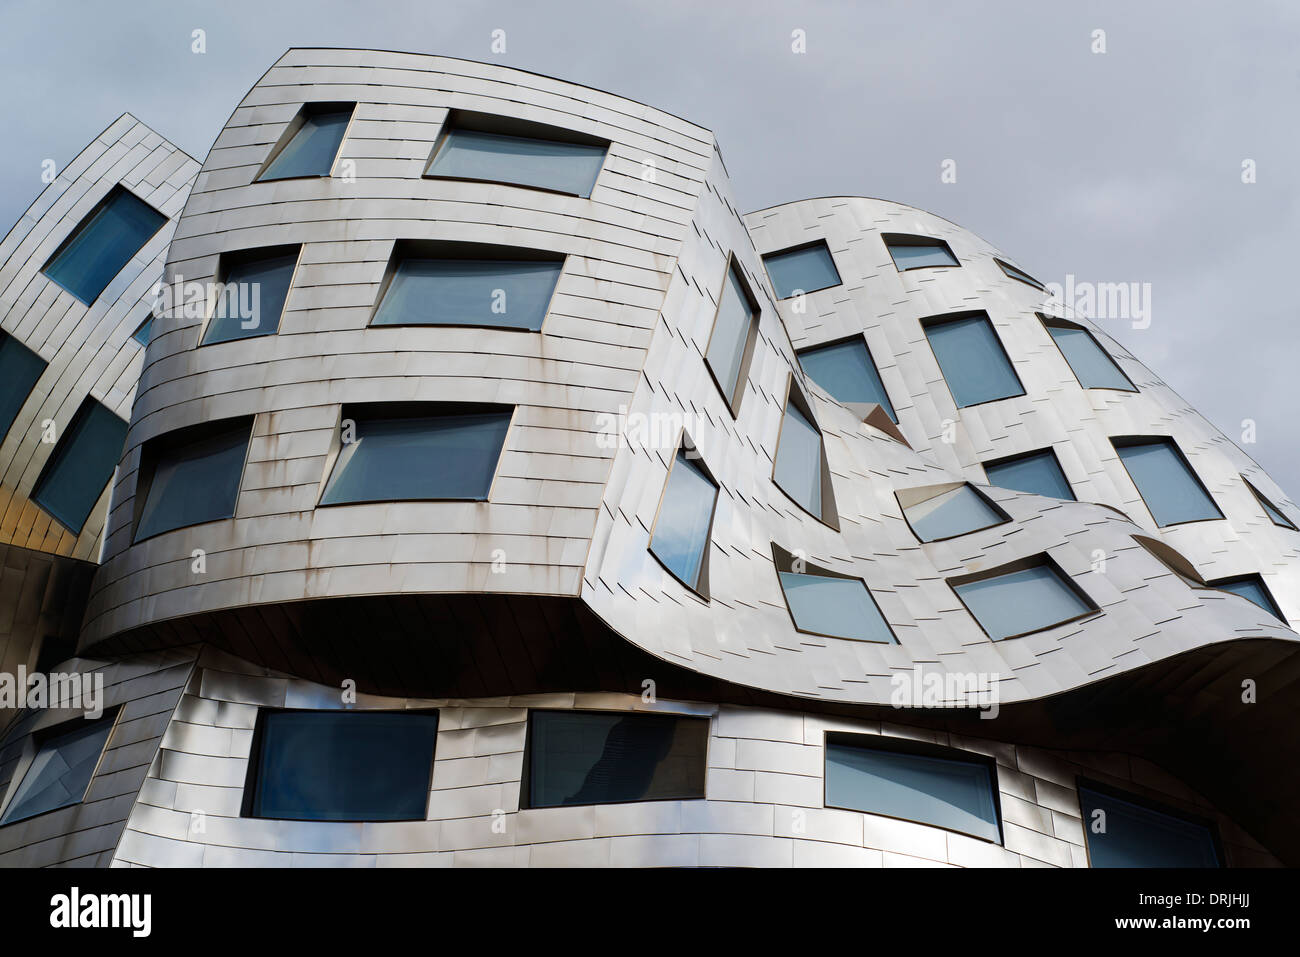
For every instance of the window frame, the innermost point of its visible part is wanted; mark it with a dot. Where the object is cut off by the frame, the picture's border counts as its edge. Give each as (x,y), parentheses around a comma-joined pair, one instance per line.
(1257,579)
(1129,441)
(860,337)
(55,459)
(1018,274)
(685,447)
(291,130)
(1266,503)
(839,279)
(953,486)
(931,322)
(9,337)
(228,260)
(915,239)
(1050,322)
(1020,457)
(31,747)
(830,511)
(1082,782)
(1024,564)
(783,561)
(734,401)
(103,203)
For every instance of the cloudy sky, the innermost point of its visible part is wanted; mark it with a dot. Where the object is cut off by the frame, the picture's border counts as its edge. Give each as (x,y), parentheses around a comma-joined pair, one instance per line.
(1117,167)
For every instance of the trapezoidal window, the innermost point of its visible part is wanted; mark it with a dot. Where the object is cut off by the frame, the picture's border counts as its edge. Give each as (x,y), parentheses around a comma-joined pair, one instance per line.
(1272,511)
(971,358)
(1091,364)
(60,772)
(848,374)
(1252,588)
(799,468)
(1124,830)
(76,473)
(191,476)
(254,288)
(310,143)
(440,284)
(826,603)
(939,512)
(1018,274)
(1038,473)
(1022,597)
(732,341)
(20,370)
(420,451)
(681,532)
(596,757)
(801,269)
(918,252)
(1166,481)
(114,231)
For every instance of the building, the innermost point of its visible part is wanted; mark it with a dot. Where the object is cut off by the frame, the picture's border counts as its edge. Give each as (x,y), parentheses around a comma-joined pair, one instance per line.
(495,493)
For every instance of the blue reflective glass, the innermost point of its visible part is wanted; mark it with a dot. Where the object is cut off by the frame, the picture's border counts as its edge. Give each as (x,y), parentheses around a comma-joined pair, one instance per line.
(511,294)
(1252,588)
(579,757)
(103,243)
(1094,368)
(450,456)
(313,148)
(519,160)
(252,299)
(1015,273)
(81,465)
(20,369)
(726,352)
(845,370)
(943,792)
(952,513)
(838,607)
(60,773)
(194,483)
(1167,483)
(916,256)
(798,468)
(344,765)
(1038,473)
(681,533)
(1138,836)
(143,331)
(972,361)
(1020,602)
(801,270)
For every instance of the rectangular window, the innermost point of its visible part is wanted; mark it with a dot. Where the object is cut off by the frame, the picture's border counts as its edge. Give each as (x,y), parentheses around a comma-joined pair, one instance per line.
(799,468)
(1015,273)
(310,143)
(1166,481)
(1274,514)
(942,787)
(595,757)
(342,765)
(144,330)
(1138,835)
(103,243)
(420,452)
(60,773)
(846,371)
(1252,588)
(1091,364)
(81,465)
(802,269)
(1010,602)
(680,538)
(255,285)
(943,511)
(517,153)
(499,291)
(822,602)
(735,327)
(918,252)
(20,370)
(1038,473)
(972,359)
(191,477)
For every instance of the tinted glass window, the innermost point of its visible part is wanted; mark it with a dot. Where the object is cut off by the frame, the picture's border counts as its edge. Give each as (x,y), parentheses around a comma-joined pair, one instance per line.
(20,368)
(445,456)
(726,353)
(972,361)
(1039,473)
(839,607)
(344,765)
(253,298)
(519,160)
(681,532)
(1092,365)
(1126,834)
(1167,483)
(807,270)
(943,792)
(143,331)
(1015,273)
(464,292)
(914,255)
(81,465)
(61,771)
(952,513)
(1023,601)
(845,370)
(194,483)
(579,757)
(312,150)
(1252,588)
(103,243)
(1274,515)
(798,467)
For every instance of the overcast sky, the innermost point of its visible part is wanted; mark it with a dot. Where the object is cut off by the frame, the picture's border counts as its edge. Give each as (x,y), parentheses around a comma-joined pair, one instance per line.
(1117,167)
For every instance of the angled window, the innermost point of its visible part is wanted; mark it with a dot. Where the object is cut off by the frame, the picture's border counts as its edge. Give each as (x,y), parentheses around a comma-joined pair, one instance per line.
(945,511)
(680,537)
(1274,515)
(418,452)
(310,143)
(254,286)
(846,371)
(918,252)
(1166,481)
(144,330)
(1138,834)
(731,344)
(1022,597)
(596,757)
(497,149)
(81,465)
(1252,588)
(805,268)
(341,765)
(972,359)
(1015,273)
(942,787)
(191,477)
(1036,472)
(468,285)
(823,602)
(103,243)
(1092,365)
(800,468)
(60,772)
(20,369)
